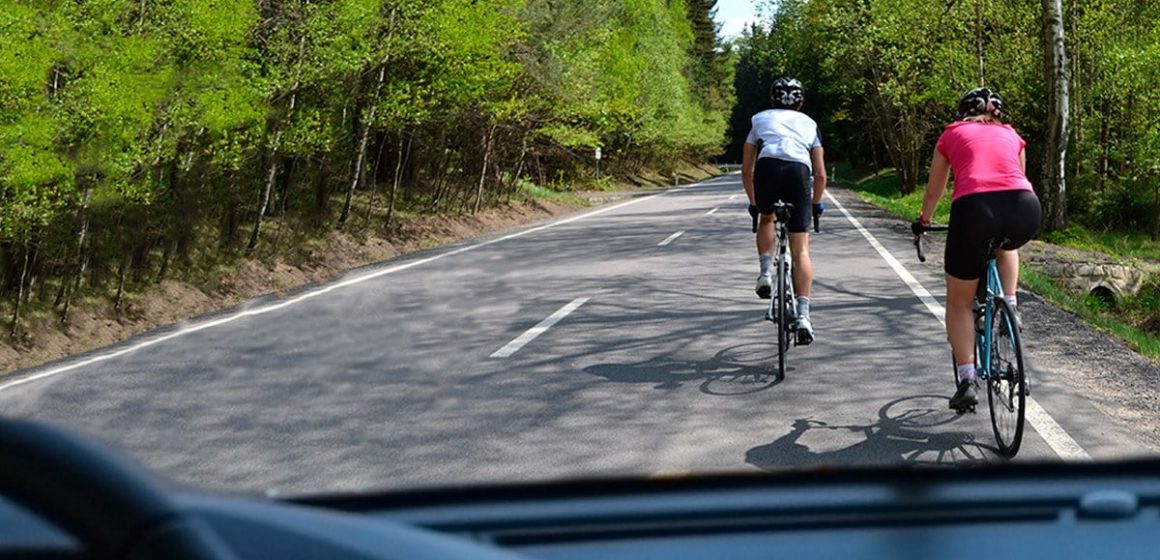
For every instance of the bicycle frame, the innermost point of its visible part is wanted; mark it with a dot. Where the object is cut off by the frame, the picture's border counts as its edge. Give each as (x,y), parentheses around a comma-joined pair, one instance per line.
(783,253)
(989,289)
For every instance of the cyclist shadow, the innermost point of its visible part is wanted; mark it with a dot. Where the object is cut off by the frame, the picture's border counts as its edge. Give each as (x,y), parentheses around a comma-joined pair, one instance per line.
(737,370)
(904,433)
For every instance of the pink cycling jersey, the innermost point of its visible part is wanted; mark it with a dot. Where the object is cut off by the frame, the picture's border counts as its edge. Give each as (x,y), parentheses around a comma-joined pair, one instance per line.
(984,157)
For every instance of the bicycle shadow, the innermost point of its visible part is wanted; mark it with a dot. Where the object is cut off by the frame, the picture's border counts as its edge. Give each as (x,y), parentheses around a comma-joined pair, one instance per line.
(903,434)
(738,370)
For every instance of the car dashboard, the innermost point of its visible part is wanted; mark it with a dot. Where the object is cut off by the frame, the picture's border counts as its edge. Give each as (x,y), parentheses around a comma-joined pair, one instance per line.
(1054,511)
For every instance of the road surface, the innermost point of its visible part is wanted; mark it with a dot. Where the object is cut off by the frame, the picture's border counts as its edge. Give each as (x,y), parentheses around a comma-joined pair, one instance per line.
(624,340)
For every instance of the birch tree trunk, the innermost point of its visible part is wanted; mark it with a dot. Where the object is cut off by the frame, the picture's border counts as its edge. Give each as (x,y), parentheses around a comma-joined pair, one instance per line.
(19,296)
(1055,72)
(483,172)
(264,203)
(399,160)
(82,258)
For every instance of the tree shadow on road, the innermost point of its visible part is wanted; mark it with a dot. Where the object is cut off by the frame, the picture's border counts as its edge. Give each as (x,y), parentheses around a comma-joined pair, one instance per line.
(910,430)
(737,370)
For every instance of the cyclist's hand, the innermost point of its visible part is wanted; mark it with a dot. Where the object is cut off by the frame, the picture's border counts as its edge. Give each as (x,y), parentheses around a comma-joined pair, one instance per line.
(917,227)
(753,211)
(819,208)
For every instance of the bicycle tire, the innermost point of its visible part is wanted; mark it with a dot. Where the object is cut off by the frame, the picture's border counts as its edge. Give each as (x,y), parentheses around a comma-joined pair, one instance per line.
(1005,395)
(782,318)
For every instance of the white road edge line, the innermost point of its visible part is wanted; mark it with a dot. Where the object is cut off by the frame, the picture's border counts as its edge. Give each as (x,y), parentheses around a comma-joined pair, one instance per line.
(671,238)
(1056,437)
(713,211)
(325,290)
(531,334)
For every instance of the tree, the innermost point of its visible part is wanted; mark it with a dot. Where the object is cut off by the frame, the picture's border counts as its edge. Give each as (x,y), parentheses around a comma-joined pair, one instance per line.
(1055,73)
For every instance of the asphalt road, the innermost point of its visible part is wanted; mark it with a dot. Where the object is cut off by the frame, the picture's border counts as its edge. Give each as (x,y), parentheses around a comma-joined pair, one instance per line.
(652,357)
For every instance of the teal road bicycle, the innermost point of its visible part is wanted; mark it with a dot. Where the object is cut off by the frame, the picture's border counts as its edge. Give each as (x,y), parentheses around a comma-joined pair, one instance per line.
(998,354)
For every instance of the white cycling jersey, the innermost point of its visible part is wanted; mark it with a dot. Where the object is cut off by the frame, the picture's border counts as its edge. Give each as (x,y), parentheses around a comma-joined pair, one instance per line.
(785,134)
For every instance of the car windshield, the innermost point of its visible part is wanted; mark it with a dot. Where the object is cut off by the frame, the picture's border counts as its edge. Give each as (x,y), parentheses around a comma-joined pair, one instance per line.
(358,246)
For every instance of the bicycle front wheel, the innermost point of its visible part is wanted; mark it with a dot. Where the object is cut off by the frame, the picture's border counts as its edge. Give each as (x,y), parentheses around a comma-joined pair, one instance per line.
(1005,393)
(782,317)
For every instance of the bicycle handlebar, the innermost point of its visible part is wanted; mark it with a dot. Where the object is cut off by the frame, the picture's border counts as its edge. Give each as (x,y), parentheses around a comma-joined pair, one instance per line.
(918,240)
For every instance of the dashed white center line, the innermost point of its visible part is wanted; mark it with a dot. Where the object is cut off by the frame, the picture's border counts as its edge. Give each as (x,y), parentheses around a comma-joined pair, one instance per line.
(671,238)
(711,212)
(531,334)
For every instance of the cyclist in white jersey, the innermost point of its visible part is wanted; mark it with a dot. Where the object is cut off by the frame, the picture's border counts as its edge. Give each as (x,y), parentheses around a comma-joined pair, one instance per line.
(782,152)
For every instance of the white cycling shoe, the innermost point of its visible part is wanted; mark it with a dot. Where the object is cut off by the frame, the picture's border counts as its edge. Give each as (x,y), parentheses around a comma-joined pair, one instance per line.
(805,331)
(764,287)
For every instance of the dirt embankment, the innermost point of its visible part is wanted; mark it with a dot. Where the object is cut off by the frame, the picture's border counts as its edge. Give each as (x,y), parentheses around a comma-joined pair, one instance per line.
(94,323)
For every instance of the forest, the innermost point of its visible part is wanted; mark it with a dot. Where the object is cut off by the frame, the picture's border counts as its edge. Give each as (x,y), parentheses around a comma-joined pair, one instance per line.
(144,140)
(883,78)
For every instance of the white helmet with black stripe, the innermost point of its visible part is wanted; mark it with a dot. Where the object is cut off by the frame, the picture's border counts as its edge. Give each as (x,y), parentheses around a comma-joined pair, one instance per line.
(787,93)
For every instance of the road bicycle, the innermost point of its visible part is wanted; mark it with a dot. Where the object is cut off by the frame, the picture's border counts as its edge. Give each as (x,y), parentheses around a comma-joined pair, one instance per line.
(782,310)
(998,353)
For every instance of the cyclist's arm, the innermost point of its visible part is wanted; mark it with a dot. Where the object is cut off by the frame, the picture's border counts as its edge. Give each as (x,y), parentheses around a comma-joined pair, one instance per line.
(818,160)
(940,171)
(748,161)
(1023,160)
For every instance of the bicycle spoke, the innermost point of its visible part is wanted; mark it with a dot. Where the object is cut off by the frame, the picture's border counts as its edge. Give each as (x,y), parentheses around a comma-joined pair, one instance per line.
(1004,388)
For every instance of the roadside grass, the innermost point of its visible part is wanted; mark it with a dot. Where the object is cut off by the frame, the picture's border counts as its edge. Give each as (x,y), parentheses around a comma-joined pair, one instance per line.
(533,191)
(1120,245)
(1133,320)
(1093,311)
(882,190)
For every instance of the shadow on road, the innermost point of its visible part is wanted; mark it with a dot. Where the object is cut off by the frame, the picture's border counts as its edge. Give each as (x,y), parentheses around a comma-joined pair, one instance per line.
(738,370)
(910,430)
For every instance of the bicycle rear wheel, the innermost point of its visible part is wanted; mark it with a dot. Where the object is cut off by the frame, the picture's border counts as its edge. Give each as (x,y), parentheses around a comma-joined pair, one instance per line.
(1005,393)
(782,318)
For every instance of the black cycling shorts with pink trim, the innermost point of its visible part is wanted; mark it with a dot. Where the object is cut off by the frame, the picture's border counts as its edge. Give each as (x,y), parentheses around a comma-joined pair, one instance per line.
(788,181)
(976,219)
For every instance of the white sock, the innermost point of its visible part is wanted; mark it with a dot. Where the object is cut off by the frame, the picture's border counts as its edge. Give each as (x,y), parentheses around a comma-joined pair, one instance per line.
(1011,299)
(766,262)
(966,372)
(803,306)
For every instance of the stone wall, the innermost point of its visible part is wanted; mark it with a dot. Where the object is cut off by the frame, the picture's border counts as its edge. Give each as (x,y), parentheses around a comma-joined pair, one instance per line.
(1086,272)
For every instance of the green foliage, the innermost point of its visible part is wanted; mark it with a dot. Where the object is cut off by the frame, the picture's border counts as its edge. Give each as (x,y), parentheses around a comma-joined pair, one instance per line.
(883,78)
(140,140)
(881,189)
(1131,245)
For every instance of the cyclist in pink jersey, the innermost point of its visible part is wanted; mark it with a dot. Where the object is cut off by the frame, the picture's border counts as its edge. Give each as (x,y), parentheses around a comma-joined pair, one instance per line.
(992,200)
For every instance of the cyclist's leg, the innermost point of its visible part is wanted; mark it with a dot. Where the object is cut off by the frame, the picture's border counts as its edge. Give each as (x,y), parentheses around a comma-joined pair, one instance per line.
(764,175)
(765,195)
(795,189)
(960,319)
(1008,264)
(961,333)
(766,234)
(972,224)
(803,268)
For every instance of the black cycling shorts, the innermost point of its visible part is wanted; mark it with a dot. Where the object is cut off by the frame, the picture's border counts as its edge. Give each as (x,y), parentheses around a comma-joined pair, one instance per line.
(788,181)
(1010,216)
